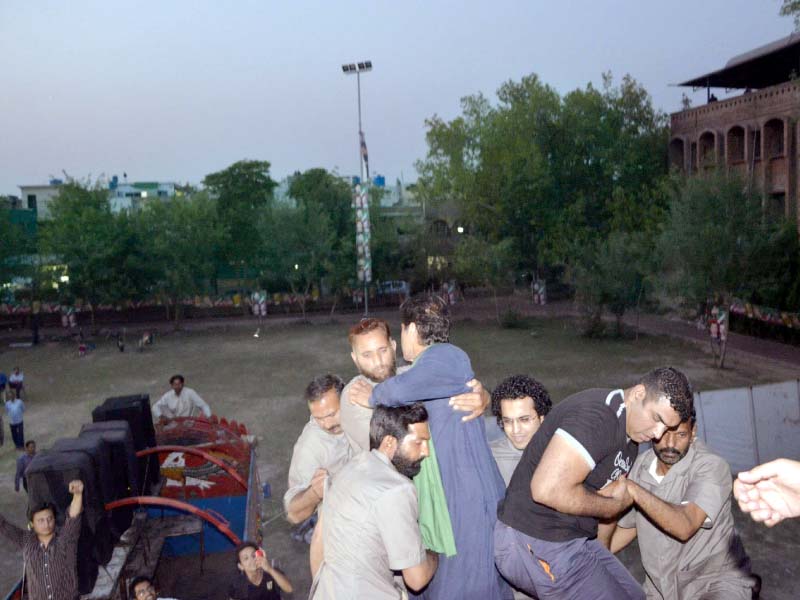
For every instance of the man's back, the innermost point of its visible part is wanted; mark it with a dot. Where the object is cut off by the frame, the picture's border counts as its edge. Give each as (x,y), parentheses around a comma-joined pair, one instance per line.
(369,529)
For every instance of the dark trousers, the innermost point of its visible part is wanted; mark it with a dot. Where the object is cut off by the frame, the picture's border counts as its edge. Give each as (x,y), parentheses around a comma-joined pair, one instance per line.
(579,569)
(18,435)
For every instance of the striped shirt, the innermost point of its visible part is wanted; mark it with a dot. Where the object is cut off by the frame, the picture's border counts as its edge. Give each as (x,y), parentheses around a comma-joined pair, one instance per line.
(51,572)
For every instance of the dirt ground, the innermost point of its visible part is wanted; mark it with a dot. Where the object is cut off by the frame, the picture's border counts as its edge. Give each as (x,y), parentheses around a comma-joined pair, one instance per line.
(259,381)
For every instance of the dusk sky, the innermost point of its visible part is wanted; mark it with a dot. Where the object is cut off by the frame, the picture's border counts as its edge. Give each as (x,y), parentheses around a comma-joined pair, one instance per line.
(172,90)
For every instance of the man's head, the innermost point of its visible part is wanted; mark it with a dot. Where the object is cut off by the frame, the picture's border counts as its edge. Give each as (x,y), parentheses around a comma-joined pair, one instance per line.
(520,403)
(373,349)
(16,370)
(43,519)
(246,557)
(322,395)
(30,447)
(661,400)
(675,443)
(401,433)
(425,320)
(142,588)
(176,382)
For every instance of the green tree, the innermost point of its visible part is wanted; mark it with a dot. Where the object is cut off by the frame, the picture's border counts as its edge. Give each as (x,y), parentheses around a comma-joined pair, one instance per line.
(791,8)
(182,236)
(243,192)
(490,264)
(84,235)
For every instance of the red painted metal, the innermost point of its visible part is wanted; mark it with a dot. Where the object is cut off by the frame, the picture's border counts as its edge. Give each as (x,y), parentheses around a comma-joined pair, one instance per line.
(198,452)
(215,519)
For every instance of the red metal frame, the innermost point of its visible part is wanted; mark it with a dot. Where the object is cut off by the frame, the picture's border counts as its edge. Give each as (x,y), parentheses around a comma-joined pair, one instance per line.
(198,452)
(216,521)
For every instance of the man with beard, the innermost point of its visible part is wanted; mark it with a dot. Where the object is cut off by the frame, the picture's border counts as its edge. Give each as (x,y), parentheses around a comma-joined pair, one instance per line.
(572,475)
(470,480)
(373,352)
(321,450)
(368,526)
(682,516)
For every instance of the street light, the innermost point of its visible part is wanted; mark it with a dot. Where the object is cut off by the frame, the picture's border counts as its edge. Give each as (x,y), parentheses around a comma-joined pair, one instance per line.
(362,202)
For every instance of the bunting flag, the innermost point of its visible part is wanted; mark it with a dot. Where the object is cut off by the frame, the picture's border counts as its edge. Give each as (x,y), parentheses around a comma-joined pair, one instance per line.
(364,154)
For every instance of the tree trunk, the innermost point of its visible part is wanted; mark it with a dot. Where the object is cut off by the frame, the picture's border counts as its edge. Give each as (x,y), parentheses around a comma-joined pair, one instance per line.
(335,301)
(496,306)
(178,307)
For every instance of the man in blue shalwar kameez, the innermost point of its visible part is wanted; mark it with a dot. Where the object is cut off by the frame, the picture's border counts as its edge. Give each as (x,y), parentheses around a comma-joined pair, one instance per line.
(472,483)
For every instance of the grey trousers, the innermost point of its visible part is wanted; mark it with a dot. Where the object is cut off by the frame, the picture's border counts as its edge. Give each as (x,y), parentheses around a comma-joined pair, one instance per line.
(579,569)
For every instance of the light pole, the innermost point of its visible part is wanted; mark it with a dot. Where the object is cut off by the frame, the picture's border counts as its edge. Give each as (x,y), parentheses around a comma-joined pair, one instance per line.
(361,192)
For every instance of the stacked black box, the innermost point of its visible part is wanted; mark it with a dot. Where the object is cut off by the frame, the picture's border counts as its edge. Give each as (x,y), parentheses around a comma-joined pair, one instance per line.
(48,478)
(136,411)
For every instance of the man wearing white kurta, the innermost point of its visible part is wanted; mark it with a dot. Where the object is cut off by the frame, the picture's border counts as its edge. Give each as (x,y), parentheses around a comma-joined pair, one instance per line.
(180,401)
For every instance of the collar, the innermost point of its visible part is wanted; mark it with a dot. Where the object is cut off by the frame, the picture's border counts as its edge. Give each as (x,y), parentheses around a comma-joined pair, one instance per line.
(382,457)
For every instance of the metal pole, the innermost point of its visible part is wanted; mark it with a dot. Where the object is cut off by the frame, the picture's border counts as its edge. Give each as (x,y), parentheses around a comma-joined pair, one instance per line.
(363,182)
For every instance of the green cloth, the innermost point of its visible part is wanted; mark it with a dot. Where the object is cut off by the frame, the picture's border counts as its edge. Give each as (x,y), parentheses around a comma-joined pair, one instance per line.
(434,518)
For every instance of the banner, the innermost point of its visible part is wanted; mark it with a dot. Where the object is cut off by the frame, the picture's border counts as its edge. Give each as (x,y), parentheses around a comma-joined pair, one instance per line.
(361,198)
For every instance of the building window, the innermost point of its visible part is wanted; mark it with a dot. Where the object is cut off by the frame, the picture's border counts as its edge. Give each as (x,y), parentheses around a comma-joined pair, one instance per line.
(708,156)
(693,158)
(773,138)
(736,144)
(757,145)
(676,154)
(776,206)
(31,201)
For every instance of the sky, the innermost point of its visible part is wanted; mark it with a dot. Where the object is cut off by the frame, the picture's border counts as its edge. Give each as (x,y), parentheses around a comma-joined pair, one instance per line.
(172,90)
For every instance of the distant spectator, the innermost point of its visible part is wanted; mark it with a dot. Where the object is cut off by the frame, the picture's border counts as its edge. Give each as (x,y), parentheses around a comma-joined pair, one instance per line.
(22,465)
(16,381)
(180,401)
(258,579)
(14,409)
(142,588)
(3,386)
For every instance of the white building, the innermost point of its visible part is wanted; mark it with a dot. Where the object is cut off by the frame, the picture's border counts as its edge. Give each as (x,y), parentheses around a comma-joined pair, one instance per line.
(38,197)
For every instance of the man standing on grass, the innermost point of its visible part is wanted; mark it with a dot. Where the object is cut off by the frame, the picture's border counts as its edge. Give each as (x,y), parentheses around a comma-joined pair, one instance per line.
(682,516)
(15,409)
(22,465)
(571,475)
(321,450)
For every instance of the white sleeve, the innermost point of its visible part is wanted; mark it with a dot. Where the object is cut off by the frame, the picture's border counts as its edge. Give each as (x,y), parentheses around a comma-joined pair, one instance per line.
(201,404)
(156,409)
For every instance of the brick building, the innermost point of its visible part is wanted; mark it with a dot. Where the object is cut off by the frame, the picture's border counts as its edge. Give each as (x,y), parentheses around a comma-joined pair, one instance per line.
(754,133)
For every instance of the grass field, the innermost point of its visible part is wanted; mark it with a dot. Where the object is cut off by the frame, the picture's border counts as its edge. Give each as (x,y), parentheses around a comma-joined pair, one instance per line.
(259,381)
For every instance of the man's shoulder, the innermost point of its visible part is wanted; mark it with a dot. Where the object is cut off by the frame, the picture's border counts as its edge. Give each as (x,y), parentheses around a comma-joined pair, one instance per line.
(642,464)
(706,460)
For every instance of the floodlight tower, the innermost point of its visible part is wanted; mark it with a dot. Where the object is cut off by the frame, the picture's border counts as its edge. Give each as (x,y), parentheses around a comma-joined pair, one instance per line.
(361,200)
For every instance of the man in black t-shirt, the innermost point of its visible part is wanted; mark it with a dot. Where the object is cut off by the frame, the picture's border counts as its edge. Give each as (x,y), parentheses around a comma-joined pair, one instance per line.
(567,480)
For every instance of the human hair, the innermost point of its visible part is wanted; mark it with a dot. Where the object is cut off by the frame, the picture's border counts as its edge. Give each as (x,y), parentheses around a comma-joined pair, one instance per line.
(394,421)
(37,508)
(136,581)
(669,383)
(30,442)
(366,326)
(243,546)
(431,316)
(178,377)
(322,384)
(517,387)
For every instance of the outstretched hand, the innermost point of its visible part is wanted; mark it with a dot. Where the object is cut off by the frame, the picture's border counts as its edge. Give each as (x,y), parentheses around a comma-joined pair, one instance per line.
(770,492)
(473,402)
(359,393)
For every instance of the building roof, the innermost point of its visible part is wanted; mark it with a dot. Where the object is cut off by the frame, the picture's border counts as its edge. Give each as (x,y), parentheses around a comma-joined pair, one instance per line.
(761,67)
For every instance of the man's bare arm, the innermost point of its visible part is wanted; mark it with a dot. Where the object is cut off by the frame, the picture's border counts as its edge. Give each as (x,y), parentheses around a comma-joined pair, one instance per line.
(417,577)
(621,537)
(305,503)
(680,521)
(316,552)
(558,480)
(76,506)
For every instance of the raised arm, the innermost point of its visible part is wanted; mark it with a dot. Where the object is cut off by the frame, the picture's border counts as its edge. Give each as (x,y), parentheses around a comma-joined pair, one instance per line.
(558,480)
(76,506)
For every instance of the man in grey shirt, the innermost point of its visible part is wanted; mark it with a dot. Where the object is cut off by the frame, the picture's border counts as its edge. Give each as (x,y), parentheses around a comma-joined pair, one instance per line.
(368,526)
(520,404)
(682,516)
(321,450)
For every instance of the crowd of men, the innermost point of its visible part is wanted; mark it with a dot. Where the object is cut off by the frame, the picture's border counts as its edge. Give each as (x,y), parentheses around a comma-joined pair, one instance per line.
(403,495)
(413,501)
